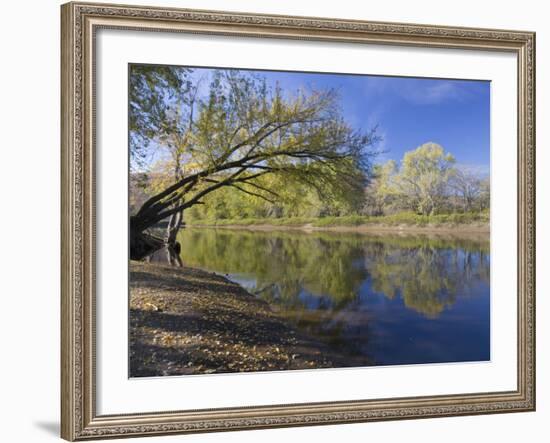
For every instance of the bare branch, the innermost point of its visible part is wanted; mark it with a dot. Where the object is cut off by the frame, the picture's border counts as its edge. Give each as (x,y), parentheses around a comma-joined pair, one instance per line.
(254,194)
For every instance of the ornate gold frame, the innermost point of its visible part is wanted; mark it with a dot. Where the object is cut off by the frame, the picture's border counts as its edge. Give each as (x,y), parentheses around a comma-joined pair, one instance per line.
(79,21)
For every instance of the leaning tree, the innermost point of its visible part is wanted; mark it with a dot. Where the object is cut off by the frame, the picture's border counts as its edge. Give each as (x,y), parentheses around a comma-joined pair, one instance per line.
(232,129)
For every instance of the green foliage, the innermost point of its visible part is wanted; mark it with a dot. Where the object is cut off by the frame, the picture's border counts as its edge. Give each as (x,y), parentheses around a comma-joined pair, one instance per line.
(381,193)
(386,201)
(350,220)
(423,177)
(428,183)
(293,199)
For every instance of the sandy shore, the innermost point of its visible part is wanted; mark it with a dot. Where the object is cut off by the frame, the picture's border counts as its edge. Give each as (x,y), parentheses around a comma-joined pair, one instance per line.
(189,321)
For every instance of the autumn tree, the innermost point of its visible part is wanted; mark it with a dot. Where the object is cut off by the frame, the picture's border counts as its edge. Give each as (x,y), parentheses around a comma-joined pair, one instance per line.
(424,176)
(234,134)
(382,192)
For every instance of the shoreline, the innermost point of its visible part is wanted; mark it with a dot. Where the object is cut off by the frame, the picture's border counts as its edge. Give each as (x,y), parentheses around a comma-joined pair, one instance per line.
(454,229)
(187,321)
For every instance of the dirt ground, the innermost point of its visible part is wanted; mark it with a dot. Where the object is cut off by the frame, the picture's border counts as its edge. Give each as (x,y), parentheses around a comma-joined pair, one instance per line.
(189,321)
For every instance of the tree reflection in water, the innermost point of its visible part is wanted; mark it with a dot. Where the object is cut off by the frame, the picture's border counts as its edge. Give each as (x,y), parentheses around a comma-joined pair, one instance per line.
(333,285)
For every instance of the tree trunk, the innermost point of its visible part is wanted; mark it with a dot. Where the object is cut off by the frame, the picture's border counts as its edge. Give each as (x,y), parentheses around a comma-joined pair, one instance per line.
(173,256)
(141,243)
(174,225)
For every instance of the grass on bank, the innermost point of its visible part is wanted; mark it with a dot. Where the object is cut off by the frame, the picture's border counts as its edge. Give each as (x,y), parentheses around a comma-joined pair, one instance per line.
(403,218)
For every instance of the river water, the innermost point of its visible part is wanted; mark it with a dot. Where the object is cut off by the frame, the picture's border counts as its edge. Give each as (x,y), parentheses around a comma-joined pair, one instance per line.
(394,299)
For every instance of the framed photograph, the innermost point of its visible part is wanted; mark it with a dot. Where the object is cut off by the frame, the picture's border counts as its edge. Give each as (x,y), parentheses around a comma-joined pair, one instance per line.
(282,221)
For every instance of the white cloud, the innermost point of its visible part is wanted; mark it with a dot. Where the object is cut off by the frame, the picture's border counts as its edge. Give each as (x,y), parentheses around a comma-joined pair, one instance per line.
(417,91)
(433,93)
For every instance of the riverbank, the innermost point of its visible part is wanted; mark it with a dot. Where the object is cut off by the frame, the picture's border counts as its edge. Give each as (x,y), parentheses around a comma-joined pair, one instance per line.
(404,222)
(454,230)
(190,321)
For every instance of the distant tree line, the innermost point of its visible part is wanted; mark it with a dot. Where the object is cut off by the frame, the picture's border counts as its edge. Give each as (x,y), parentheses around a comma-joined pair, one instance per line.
(427,181)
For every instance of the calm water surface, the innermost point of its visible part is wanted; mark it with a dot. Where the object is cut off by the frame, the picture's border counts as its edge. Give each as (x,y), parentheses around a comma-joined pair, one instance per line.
(393,299)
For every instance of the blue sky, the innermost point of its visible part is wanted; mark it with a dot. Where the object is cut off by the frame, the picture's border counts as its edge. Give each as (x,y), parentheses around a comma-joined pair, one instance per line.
(407,111)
